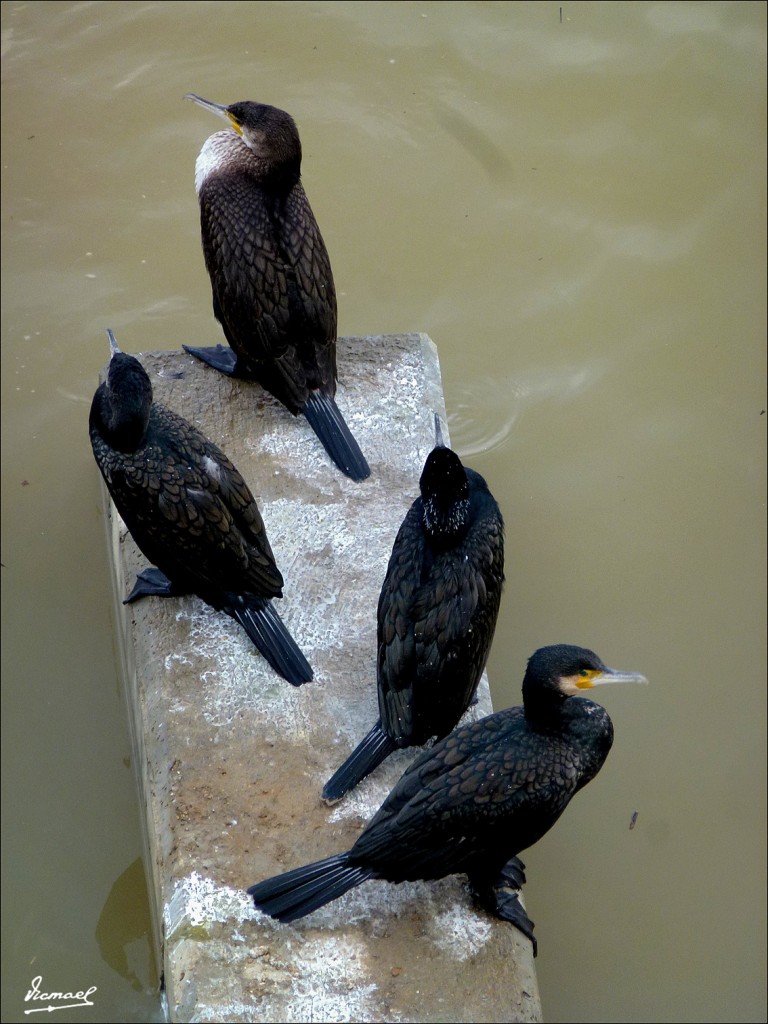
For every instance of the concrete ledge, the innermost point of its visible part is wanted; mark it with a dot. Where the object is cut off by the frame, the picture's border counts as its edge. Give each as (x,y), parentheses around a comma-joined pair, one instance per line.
(231,758)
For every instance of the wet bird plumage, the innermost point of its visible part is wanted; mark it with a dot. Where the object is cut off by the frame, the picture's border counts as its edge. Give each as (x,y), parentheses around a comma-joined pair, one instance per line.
(436,615)
(273,289)
(189,510)
(477,798)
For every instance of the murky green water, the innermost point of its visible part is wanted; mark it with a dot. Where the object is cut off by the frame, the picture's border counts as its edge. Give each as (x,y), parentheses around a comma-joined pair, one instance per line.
(574,210)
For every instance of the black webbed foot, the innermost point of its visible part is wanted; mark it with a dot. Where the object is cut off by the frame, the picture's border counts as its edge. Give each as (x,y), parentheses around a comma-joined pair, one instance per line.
(220,357)
(498,899)
(512,874)
(509,908)
(151,583)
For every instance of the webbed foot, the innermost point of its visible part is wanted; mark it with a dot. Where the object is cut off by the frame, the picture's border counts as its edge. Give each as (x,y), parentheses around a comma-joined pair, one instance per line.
(509,908)
(220,357)
(498,899)
(150,583)
(512,874)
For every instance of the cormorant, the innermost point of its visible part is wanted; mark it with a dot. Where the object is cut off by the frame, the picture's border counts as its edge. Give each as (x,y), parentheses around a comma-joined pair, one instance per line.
(437,613)
(477,798)
(273,290)
(189,511)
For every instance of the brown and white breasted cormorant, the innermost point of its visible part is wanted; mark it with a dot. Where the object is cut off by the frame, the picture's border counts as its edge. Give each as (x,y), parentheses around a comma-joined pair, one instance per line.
(437,613)
(273,290)
(189,510)
(477,798)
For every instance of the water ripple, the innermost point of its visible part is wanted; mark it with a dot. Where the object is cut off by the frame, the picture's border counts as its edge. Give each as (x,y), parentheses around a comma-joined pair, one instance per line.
(487,408)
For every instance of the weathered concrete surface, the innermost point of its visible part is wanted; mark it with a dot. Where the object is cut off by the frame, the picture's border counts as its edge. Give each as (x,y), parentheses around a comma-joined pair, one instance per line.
(231,758)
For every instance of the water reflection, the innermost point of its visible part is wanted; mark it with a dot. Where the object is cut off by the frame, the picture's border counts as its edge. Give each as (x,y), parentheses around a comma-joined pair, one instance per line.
(476,142)
(124,930)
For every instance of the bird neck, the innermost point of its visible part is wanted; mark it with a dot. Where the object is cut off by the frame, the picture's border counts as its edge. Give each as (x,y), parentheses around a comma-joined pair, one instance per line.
(226,151)
(274,159)
(445,520)
(577,719)
(279,178)
(544,709)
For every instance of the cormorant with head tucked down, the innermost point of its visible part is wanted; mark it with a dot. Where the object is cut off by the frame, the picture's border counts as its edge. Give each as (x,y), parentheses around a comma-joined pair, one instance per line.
(477,798)
(189,510)
(273,289)
(437,613)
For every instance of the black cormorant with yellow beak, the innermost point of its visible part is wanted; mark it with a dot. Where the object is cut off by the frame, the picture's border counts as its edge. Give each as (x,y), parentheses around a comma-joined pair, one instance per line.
(273,290)
(472,802)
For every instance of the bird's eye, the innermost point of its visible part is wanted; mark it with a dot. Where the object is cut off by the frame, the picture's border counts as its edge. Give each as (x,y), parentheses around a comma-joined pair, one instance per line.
(583,673)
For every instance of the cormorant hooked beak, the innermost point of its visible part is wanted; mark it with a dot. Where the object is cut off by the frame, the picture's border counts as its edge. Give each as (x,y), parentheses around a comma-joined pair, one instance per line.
(439,442)
(216,108)
(588,678)
(113,346)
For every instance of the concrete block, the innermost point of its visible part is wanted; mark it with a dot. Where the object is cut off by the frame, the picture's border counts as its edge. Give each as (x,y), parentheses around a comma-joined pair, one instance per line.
(231,759)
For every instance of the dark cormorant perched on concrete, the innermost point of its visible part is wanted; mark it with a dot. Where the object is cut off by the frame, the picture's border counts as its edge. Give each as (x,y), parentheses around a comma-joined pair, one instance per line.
(437,613)
(189,511)
(477,798)
(273,290)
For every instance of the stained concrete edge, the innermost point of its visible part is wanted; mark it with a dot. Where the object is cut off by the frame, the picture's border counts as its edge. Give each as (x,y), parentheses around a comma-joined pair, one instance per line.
(231,759)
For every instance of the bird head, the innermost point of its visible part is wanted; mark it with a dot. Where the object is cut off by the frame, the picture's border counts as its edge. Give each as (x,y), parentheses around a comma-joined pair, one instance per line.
(444,492)
(270,133)
(127,399)
(556,673)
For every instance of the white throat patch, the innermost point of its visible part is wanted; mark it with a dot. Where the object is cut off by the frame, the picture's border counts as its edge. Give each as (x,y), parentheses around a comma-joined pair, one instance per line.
(214,154)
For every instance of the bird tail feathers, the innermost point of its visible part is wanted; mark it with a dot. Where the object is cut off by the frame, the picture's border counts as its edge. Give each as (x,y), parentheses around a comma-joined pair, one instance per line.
(325,418)
(270,635)
(368,755)
(299,892)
